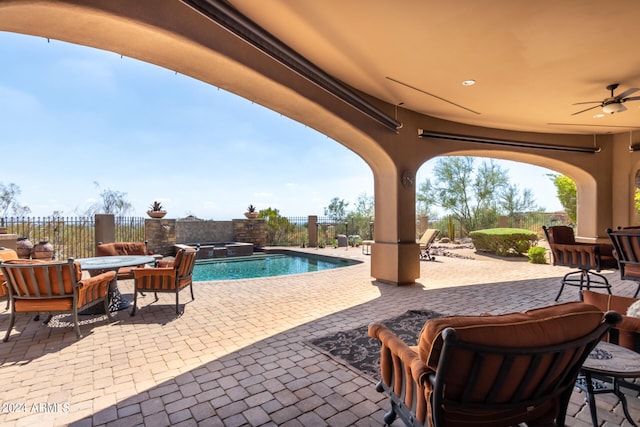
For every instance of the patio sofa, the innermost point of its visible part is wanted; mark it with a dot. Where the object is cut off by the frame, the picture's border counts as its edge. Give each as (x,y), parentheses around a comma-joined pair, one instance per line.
(490,371)
(122,248)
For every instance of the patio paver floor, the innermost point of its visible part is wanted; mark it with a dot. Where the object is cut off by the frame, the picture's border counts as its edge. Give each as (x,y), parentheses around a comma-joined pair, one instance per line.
(238,355)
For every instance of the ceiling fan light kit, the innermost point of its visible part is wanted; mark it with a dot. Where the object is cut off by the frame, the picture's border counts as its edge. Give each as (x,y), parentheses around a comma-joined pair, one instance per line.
(612,104)
(613,107)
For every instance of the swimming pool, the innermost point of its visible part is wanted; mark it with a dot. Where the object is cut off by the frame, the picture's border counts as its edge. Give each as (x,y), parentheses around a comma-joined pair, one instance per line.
(265,265)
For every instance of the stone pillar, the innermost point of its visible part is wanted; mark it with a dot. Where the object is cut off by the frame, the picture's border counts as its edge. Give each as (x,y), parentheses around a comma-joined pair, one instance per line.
(160,235)
(105,231)
(250,231)
(312,231)
(9,241)
(502,221)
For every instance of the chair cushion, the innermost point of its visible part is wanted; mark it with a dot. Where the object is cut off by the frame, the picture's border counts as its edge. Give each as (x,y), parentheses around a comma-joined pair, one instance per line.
(121,248)
(6,255)
(561,234)
(538,327)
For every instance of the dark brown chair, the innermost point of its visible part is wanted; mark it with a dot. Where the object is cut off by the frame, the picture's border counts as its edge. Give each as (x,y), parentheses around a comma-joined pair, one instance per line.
(54,287)
(170,279)
(588,258)
(626,245)
(490,371)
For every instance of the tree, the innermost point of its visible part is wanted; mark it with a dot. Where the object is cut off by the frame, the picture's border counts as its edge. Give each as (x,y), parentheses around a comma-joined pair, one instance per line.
(469,194)
(9,201)
(567,194)
(113,202)
(360,218)
(513,202)
(277,227)
(473,196)
(336,210)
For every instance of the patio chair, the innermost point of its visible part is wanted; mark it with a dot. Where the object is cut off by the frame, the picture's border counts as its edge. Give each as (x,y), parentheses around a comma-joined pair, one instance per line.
(626,246)
(54,287)
(588,258)
(425,242)
(490,371)
(172,278)
(6,255)
(627,332)
(122,248)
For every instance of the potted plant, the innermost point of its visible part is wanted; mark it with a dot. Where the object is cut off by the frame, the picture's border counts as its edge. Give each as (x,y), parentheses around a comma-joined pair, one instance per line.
(251,212)
(156,211)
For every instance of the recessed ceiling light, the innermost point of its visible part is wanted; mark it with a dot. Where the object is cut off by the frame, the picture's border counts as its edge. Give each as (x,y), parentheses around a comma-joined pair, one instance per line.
(470,82)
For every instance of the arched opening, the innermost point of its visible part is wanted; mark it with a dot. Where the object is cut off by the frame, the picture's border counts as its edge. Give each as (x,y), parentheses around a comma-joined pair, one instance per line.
(586,185)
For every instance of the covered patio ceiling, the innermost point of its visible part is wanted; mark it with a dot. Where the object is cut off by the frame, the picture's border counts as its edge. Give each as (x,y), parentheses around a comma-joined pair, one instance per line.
(531,61)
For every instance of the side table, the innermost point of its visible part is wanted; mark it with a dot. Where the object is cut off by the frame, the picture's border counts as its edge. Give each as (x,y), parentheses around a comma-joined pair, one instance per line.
(604,370)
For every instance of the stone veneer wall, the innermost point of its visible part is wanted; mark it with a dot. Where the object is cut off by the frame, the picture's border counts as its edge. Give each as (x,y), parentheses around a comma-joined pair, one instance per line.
(163,234)
(203,231)
(250,231)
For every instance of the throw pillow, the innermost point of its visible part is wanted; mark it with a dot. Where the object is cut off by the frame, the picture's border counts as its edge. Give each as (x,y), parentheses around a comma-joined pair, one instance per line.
(634,309)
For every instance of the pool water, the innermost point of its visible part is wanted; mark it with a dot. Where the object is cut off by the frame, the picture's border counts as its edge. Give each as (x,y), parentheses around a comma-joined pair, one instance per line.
(264,265)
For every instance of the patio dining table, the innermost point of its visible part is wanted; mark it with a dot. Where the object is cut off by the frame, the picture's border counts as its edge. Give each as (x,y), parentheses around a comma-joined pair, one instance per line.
(113,263)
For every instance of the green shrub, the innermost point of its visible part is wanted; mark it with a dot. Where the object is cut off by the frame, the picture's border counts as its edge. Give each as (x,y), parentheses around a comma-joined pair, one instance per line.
(504,241)
(537,255)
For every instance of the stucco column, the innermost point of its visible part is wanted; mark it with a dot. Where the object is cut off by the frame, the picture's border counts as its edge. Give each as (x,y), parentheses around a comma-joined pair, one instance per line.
(395,255)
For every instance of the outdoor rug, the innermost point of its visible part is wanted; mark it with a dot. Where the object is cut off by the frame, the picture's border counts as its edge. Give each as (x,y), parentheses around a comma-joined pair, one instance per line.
(356,349)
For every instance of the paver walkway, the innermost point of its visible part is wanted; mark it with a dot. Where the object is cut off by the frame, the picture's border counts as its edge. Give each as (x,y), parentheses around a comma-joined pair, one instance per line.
(238,355)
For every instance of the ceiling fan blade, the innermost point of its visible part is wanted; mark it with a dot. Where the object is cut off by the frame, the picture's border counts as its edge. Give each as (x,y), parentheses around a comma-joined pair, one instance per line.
(631,98)
(587,102)
(627,92)
(587,109)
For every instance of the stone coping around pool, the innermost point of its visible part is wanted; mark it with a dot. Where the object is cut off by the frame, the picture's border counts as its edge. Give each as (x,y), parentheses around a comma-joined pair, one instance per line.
(330,258)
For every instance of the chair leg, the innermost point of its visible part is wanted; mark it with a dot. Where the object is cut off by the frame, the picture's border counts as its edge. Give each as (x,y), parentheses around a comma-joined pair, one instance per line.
(191,289)
(76,323)
(634,295)
(12,320)
(177,298)
(135,303)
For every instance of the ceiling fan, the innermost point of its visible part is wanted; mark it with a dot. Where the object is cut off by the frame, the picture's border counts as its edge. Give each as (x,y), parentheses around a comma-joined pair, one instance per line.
(612,104)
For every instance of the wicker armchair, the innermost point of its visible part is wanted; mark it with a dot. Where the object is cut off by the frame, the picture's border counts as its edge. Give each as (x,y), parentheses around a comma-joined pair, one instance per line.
(490,371)
(588,258)
(54,287)
(171,279)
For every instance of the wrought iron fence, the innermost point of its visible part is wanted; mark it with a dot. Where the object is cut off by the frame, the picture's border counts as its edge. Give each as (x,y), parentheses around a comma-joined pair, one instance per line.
(70,236)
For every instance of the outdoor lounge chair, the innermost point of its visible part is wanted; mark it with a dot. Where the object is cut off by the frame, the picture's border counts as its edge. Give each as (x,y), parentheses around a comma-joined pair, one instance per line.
(172,278)
(626,246)
(627,332)
(490,371)
(55,287)
(588,258)
(427,239)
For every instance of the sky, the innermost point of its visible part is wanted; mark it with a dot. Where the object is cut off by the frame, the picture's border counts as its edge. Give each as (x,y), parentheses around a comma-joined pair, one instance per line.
(76,121)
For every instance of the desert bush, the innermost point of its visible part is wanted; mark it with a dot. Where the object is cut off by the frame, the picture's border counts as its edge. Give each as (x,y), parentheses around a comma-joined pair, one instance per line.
(537,255)
(504,241)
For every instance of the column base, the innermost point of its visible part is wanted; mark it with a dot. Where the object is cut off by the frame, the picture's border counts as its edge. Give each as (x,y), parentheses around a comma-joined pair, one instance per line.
(395,263)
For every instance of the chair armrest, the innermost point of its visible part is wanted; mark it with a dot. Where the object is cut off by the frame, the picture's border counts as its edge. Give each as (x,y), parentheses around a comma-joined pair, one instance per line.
(94,288)
(403,374)
(89,282)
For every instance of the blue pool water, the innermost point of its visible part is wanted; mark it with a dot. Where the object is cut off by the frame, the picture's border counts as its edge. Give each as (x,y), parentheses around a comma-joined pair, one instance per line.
(263,266)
